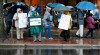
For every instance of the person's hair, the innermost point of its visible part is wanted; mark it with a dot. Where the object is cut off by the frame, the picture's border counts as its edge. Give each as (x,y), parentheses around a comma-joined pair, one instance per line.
(66,12)
(90,14)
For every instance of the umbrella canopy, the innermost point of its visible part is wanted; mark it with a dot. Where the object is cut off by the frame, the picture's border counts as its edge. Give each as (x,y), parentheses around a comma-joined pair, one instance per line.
(8,4)
(21,5)
(85,5)
(61,8)
(52,5)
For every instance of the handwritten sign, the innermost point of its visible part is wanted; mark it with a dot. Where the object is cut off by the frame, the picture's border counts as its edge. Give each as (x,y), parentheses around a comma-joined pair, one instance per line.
(35,21)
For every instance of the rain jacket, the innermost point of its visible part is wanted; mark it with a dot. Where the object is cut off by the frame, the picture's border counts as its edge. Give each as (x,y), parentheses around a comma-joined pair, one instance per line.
(35,30)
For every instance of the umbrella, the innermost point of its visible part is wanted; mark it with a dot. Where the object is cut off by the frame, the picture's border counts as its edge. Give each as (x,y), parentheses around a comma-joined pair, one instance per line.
(61,8)
(8,4)
(70,7)
(52,5)
(21,5)
(85,5)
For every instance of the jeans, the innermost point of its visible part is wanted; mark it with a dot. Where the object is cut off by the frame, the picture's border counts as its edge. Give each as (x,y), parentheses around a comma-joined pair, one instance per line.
(46,28)
(8,26)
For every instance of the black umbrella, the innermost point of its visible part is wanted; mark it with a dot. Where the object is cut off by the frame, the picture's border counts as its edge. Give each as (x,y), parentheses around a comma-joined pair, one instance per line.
(8,4)
(21,5)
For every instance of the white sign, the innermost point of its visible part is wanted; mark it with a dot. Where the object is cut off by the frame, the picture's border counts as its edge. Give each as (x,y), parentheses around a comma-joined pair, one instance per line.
(35,21)
(23,20)
(64,22)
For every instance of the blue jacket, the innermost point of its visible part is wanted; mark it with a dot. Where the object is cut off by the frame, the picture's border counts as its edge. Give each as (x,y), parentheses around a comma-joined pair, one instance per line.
(8,15)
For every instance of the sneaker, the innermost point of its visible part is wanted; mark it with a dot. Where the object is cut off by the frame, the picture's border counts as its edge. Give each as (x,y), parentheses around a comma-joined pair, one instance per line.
(50,38)
(43,38)
(35,40)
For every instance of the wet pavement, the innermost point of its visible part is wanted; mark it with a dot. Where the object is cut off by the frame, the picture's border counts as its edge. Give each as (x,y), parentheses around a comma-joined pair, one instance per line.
(56,46)
(56,39)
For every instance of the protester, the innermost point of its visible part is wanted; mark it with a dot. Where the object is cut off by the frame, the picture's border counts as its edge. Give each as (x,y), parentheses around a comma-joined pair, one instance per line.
(19,31)
(90,25)
(64,24)
(8,19)
(79,33)
(46,23)
(35,31)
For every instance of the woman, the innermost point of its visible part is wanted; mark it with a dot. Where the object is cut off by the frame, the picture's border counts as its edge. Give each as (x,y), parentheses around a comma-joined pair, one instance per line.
(64,24)
(90,25)
(19,31)
(47,24)
(35,31)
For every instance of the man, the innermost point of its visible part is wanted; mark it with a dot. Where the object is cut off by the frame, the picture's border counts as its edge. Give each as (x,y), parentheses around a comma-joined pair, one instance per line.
(8,19)
(79,33)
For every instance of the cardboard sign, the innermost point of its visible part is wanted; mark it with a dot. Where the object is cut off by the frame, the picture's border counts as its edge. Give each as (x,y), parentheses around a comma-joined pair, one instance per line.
(35,21)
(23,20)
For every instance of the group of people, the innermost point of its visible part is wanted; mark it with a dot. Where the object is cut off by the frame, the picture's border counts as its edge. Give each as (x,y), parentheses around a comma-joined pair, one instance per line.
(87,17)
(38,32)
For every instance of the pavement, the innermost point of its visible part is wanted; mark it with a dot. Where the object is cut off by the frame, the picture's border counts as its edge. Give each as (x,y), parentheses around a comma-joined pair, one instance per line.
(57,40)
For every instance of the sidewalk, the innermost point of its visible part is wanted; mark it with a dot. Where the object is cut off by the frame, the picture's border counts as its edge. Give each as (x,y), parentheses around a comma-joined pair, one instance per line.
(57,41)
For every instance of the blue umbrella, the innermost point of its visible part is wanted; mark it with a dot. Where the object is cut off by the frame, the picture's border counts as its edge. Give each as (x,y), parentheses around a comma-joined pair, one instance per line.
(85,5)
(52,5)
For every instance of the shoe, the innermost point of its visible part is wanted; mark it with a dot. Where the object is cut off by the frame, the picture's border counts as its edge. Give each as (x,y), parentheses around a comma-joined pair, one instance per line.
(39,40)
(93,37)
(50,38)
(35,40)
(43,38)
(77,36)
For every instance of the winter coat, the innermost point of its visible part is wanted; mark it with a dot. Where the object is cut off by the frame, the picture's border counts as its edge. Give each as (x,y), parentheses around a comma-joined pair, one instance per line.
(90,22)
(80,18)
(8,15)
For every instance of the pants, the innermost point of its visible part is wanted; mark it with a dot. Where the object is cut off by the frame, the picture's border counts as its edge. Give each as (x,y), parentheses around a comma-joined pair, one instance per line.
(47,28)
(37,37)
(8,26)
(19,33)
(90,31)
(65,34)
(80,31)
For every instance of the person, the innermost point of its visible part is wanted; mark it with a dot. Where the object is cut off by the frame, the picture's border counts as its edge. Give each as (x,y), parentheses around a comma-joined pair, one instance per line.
(74,17)
(19,31)
(90,25)
(35,31)
(46,23)
(8,19)
(96,17)
(79,33)
(64,24)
